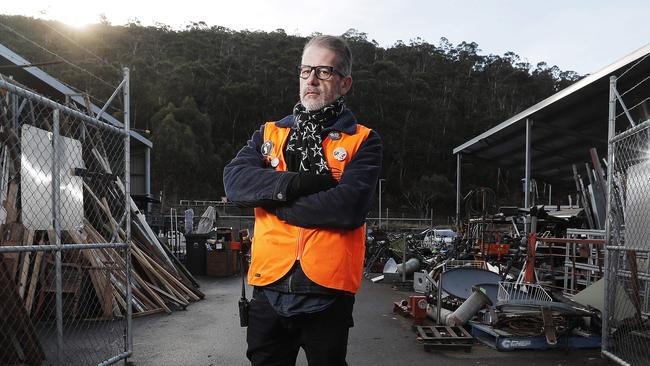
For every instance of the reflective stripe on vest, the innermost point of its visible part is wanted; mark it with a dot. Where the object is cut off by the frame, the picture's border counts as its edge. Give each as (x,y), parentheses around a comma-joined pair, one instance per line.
(332,258)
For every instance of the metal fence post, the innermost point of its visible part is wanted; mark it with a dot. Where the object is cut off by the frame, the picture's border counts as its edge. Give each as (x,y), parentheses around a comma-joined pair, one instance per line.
(56,211)
(529,125)
(127,207)
(458,197)
(608,226)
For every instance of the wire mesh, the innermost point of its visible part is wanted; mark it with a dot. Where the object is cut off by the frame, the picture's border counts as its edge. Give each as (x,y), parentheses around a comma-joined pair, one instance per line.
(63,229)
(455,263)
(512,291)
(627,301)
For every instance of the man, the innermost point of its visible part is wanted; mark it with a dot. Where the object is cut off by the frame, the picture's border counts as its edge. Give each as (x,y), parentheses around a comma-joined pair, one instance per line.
(311,178)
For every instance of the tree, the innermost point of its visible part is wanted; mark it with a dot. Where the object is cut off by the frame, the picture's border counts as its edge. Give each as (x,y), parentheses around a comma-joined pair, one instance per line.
(203,90)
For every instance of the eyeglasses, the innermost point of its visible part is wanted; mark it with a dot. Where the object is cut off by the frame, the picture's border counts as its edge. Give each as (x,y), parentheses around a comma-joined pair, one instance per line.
(322,72)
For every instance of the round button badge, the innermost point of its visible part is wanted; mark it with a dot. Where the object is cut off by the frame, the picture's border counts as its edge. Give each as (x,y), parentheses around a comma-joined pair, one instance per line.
(340,154)
(267,147)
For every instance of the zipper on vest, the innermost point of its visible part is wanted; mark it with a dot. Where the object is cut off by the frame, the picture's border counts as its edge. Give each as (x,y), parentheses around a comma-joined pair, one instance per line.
(299,249)
(301,244)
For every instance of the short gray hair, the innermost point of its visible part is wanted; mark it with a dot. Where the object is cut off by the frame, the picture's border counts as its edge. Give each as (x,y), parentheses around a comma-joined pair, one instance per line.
(337,45)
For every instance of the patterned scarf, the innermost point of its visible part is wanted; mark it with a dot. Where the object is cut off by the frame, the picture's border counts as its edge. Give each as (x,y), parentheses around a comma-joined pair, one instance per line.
(305,140)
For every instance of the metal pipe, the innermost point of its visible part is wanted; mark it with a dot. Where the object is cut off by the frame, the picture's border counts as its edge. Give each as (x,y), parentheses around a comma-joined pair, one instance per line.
(468,308)
(379,220)
(54,105)
(615,358)
(52,248)
(435,315)
(609,297)
(405,268)
(630,132)
(627,113)
(439,299)
(116,359)
(147,175)
(464,313)
(411,265)
(621,248)
(458,181)
(529,124)
(56,212)
(127,206)
(108,102)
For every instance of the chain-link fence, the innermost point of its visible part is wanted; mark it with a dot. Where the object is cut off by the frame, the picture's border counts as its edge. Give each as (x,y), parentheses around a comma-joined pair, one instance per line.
(65,221)
(626,332)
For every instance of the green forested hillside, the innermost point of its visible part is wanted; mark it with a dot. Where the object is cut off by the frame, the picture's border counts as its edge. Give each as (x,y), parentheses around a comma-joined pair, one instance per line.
(201,92)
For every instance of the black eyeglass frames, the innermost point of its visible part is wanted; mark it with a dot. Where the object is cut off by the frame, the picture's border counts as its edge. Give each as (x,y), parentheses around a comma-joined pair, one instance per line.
(322,72)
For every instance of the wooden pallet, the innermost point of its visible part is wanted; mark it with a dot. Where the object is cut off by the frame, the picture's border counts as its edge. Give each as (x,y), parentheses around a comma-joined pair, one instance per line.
(437,337)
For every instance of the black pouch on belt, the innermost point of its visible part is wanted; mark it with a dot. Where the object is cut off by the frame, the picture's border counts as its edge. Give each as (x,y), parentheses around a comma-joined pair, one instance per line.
(243,312)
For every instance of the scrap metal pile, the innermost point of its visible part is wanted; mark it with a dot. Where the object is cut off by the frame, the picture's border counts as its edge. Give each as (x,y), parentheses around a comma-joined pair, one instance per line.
(510,290)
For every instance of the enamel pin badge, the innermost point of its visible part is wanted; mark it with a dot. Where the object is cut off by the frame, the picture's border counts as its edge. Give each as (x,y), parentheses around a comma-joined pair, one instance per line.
(335,135)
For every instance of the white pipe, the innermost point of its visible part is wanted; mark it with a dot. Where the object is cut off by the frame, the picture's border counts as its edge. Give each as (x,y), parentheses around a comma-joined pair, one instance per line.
(465,312)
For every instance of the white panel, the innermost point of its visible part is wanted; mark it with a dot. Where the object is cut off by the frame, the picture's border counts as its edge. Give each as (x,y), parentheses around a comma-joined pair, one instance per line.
(36,180)
(637,207)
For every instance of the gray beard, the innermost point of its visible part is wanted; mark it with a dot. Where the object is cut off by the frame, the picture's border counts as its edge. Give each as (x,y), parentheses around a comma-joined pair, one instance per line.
(313,106)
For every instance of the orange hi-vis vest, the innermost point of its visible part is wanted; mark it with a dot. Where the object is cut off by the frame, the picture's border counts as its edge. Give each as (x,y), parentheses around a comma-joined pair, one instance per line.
(332,258)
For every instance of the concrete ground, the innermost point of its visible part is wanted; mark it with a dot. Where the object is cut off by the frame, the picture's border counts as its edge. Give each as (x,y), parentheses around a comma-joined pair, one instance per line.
(208,333)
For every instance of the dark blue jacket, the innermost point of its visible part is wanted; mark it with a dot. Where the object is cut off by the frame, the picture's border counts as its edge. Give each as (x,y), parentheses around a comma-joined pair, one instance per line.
(248,181)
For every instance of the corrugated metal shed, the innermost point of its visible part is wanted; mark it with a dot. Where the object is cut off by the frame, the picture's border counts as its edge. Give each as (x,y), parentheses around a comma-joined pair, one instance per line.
(45,84)
(565,125)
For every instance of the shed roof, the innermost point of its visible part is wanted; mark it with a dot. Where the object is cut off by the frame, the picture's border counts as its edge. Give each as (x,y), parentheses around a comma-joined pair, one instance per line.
(565,125)
(43,83)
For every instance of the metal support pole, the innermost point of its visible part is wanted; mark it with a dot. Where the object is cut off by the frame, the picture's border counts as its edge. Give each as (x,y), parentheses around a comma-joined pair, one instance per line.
(379,219)
(609,277)
(147,176)
(127,206)
(529,125)
(56,225)
(14,109)
(458,198)
(386,218)
(404,261)
(439,297)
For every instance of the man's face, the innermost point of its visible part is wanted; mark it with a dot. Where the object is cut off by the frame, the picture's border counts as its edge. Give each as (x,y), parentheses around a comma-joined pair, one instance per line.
(314,93)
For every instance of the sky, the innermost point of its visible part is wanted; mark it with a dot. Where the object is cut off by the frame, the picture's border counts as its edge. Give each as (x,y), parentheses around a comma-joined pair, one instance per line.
(579,35)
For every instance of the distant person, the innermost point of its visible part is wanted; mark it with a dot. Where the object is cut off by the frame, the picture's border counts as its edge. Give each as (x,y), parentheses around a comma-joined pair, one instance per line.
(311,178)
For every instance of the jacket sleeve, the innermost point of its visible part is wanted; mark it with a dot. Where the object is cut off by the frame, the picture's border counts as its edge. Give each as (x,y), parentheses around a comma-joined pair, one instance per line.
(250,182)
(346,205)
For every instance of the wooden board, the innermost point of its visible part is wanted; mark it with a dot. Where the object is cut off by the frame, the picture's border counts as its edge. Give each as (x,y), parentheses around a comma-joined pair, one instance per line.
(16,323)
(24,270)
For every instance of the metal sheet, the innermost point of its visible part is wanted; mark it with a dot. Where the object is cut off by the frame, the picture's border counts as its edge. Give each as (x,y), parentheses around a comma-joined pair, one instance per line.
(458,282)
(420,283)
(36,180)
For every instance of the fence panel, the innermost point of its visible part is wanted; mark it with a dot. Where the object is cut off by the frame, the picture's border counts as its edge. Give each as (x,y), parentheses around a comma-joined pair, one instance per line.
(64,298)
(626,336)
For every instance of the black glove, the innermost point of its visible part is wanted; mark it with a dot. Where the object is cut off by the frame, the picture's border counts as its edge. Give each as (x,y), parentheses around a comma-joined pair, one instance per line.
(305,184)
